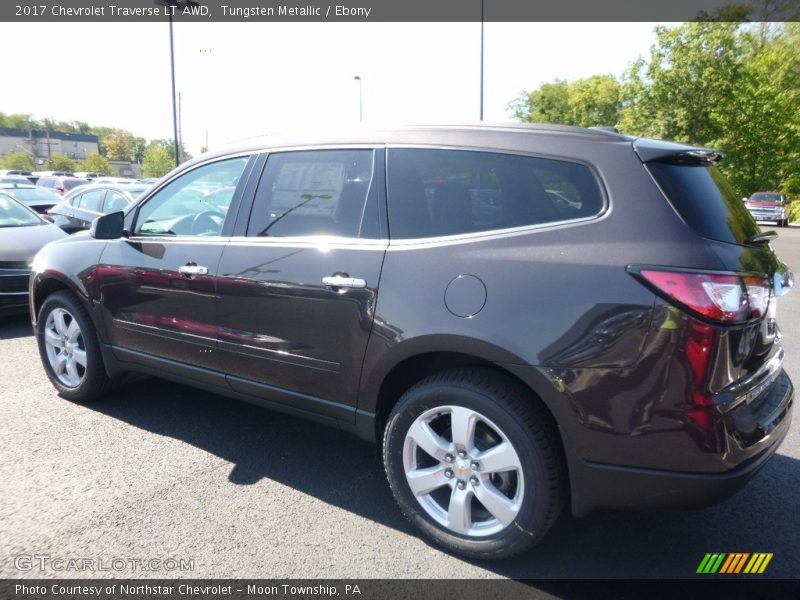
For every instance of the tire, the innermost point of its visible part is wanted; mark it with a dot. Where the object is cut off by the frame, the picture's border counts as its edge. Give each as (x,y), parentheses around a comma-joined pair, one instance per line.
(66,336)
(525,488)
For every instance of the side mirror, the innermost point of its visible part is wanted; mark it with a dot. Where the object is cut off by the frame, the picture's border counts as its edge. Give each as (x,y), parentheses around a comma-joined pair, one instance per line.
(108,227)
(744,199)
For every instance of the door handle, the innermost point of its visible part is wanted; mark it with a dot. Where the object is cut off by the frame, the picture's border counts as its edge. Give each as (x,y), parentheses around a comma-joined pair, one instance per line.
(338,281)
(193,270)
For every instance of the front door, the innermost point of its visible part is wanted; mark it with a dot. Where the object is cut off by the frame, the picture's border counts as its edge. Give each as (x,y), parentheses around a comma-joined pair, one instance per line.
(158,285)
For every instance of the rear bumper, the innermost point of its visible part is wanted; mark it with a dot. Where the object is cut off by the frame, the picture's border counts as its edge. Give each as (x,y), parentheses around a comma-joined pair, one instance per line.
(601,486)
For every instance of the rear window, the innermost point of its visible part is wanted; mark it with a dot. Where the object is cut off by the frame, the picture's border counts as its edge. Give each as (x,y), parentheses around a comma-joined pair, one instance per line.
(73,183)
(453,192)
(706,201)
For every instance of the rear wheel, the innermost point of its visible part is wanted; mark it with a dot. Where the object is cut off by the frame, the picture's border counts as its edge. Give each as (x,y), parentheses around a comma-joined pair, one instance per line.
(473,463)
(69,349)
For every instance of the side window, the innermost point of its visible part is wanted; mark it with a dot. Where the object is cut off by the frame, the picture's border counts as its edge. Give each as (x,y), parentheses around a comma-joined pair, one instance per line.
(114,202)
(185,205)
(89,200)
(451,192)
(315,193)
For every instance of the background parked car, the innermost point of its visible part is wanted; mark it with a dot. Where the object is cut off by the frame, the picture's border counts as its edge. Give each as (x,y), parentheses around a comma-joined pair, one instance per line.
(23,233)
(769,206)
(38,198)
(80,208)
(18,179)
(116,180)
(61,185)
(54,174)
(89,174)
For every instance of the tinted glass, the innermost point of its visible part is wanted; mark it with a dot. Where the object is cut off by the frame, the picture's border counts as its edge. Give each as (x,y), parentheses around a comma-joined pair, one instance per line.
(450,192)
(73,183)
(314,193)
(180,208)
(13,214)
(765,197)
(114,202)
(706,201)
(34,195)
(89,200)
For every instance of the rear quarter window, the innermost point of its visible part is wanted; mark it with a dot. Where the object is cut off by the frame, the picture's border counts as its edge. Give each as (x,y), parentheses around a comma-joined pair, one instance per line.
(451,192)
(705,200)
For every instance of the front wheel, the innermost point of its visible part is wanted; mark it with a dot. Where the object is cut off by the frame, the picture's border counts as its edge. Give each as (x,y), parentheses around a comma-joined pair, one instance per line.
(474,463)
(69,349)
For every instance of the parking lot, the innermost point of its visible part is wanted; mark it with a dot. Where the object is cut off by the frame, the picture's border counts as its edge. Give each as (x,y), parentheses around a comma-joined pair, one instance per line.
(161,471)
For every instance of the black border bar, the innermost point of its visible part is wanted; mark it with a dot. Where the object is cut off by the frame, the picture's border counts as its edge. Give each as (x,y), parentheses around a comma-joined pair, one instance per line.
(254,11)
(731,587)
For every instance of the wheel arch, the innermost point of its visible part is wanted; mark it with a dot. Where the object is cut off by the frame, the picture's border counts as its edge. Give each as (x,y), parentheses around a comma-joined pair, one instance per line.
(48,283)
(418,358)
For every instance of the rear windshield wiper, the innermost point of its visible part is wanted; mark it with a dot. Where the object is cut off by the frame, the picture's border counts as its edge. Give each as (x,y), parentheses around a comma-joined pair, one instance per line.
(760,238)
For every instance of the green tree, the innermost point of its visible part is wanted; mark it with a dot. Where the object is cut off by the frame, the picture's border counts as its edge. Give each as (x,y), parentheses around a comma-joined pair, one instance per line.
(94,162)
(61,162)
(585,102)
(139,145)
(688,83)
(549,103)
(118,145)
(157,160)
(18,121)
(734,87)
(18,160)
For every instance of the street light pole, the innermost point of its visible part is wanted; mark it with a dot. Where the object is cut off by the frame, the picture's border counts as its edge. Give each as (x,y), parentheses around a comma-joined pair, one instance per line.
(482,60)
(170,6)
(360,100)
(174,99)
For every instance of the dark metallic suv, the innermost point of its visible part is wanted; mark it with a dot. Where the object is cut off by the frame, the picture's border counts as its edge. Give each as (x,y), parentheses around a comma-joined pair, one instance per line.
(524,318)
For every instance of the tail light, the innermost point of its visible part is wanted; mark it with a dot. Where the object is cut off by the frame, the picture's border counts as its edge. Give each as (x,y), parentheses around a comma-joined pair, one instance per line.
(713,299)
(726,299)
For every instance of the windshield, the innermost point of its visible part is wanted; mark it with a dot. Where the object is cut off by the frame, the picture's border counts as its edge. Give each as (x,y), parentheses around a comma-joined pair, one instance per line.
(34,194)
(13,214)
(763,197)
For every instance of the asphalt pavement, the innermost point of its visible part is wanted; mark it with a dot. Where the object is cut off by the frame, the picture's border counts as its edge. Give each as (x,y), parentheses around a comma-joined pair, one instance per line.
(161,472)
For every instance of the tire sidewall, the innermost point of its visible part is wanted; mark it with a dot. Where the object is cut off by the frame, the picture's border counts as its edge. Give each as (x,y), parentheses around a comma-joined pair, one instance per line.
(95,373)
(532,519)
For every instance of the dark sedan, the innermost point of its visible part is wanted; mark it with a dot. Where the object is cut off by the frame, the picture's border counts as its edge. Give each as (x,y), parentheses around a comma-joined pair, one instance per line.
(78,210)
(38,198)
(22,234)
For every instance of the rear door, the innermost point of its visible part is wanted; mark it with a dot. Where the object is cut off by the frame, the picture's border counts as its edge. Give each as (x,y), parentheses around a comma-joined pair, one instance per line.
(298,287)
(85,208)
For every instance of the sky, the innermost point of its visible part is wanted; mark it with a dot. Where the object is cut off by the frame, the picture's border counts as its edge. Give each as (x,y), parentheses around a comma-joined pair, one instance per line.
(242,80)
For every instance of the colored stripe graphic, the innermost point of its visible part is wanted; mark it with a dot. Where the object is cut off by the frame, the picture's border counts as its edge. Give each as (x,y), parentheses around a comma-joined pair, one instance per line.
(729,564)
(711,563)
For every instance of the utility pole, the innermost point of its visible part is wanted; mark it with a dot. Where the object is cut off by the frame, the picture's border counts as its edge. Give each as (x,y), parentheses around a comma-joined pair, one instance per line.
(180,127)
(482,60)
(174,103)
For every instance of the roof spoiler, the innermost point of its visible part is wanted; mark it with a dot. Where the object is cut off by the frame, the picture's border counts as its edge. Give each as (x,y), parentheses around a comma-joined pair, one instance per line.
(677,154)
(693,157)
